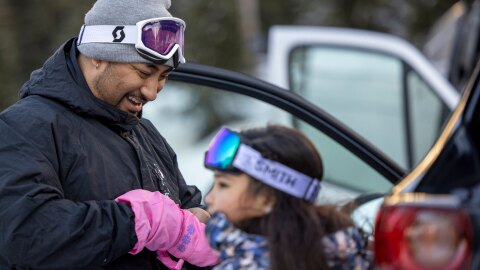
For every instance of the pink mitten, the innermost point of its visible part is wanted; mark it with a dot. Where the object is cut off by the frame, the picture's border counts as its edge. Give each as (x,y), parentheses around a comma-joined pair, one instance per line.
(161,226)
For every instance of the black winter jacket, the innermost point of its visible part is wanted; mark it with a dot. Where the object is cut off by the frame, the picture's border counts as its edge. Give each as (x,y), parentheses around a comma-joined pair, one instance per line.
(64,157)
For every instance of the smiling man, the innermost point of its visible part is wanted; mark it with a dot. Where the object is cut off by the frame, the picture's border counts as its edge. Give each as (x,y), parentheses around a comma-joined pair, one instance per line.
(85,181)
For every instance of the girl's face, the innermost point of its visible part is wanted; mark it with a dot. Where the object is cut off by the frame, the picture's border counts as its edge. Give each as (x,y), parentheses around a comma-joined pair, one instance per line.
(230,195)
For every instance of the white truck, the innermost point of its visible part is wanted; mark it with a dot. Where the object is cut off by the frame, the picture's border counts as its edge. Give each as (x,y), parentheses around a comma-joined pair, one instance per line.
(379,85)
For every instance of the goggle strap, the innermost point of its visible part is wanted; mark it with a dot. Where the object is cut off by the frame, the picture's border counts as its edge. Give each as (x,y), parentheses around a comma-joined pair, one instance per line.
(126,34)
(312,191)
(276,174)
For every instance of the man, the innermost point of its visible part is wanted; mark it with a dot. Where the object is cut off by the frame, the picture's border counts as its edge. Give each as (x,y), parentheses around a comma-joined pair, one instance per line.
(85,181)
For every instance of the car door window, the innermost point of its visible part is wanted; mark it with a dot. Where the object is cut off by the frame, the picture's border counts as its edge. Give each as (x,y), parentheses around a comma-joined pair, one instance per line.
(366,90)
(427,115)
(189,115)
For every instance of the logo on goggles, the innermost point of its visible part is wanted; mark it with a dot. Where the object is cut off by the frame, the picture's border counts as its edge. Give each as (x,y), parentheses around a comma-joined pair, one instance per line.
(262,167)
(115,32)
(273,173)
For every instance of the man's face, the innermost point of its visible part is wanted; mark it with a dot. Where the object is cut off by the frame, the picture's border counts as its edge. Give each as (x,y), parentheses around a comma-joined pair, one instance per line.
(128,86)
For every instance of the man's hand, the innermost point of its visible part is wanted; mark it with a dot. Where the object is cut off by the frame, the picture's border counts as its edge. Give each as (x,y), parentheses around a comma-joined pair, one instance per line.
(202,215)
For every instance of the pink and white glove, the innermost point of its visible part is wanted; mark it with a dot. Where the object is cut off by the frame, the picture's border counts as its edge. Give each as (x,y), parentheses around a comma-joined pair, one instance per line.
(162,226)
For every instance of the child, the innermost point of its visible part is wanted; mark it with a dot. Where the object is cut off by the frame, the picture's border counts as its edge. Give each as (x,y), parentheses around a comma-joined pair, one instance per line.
(262,200)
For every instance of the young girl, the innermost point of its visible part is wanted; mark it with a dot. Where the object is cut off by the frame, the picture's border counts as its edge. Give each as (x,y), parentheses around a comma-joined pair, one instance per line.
(262,200)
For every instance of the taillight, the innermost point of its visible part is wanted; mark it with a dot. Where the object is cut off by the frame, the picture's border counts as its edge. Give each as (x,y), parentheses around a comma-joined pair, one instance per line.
(421,236)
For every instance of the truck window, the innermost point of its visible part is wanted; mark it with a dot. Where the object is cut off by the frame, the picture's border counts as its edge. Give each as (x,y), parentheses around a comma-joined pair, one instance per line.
(375,94)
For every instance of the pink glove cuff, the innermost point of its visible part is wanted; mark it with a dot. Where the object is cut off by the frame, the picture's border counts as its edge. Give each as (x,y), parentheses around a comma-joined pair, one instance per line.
(155,227)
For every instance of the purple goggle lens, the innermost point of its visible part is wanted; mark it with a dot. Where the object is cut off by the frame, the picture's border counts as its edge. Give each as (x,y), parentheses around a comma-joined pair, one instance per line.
(162,36)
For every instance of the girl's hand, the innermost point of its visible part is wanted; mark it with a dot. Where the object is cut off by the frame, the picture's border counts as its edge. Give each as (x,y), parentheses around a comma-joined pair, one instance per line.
(202,215)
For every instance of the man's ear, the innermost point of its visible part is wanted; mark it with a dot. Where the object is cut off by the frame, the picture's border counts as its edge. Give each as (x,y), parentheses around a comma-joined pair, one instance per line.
(89,64)
(96,63)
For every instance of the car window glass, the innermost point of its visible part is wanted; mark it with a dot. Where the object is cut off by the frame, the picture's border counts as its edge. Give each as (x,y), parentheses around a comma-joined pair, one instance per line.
(342,167)
(188,116)
(427,115)
(361,88)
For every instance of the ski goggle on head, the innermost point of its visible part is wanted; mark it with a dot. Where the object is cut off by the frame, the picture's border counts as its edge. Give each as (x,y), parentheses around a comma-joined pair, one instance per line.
(227,153)
(156,40)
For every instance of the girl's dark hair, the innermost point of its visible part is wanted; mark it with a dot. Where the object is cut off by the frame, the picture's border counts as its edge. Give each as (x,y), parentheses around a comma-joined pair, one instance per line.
(294,228)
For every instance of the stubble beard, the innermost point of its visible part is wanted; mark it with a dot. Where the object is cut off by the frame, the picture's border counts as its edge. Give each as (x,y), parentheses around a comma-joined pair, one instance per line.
(102,83)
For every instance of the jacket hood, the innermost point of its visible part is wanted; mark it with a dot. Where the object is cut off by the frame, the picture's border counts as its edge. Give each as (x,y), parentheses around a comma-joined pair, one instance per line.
(56,81)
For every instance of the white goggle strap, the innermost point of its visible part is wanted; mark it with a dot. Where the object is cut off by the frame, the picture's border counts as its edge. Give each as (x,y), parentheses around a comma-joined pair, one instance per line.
(276,174)
(126,34)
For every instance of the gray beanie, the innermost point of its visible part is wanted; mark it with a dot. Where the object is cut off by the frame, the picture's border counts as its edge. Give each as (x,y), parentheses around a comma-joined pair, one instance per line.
(121,12)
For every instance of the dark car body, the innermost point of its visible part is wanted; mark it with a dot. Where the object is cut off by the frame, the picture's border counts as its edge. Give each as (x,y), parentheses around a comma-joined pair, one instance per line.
(431,219)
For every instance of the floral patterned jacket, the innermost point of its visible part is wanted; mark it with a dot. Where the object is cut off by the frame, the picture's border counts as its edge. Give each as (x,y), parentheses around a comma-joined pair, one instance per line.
(344,249)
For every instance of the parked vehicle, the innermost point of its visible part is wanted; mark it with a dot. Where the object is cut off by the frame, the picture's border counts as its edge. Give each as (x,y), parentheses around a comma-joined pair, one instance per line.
(431,218)
(199,99)
(378,84)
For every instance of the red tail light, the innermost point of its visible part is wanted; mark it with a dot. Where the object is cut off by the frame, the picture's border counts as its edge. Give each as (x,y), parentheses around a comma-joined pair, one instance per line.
(416,235)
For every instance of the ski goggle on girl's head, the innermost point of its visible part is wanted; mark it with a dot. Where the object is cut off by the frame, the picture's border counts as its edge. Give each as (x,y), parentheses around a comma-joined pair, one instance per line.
(228,153)
(156,40)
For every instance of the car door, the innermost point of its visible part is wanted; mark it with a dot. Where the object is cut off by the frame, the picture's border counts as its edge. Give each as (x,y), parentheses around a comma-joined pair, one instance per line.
(379,85)
(197,100)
